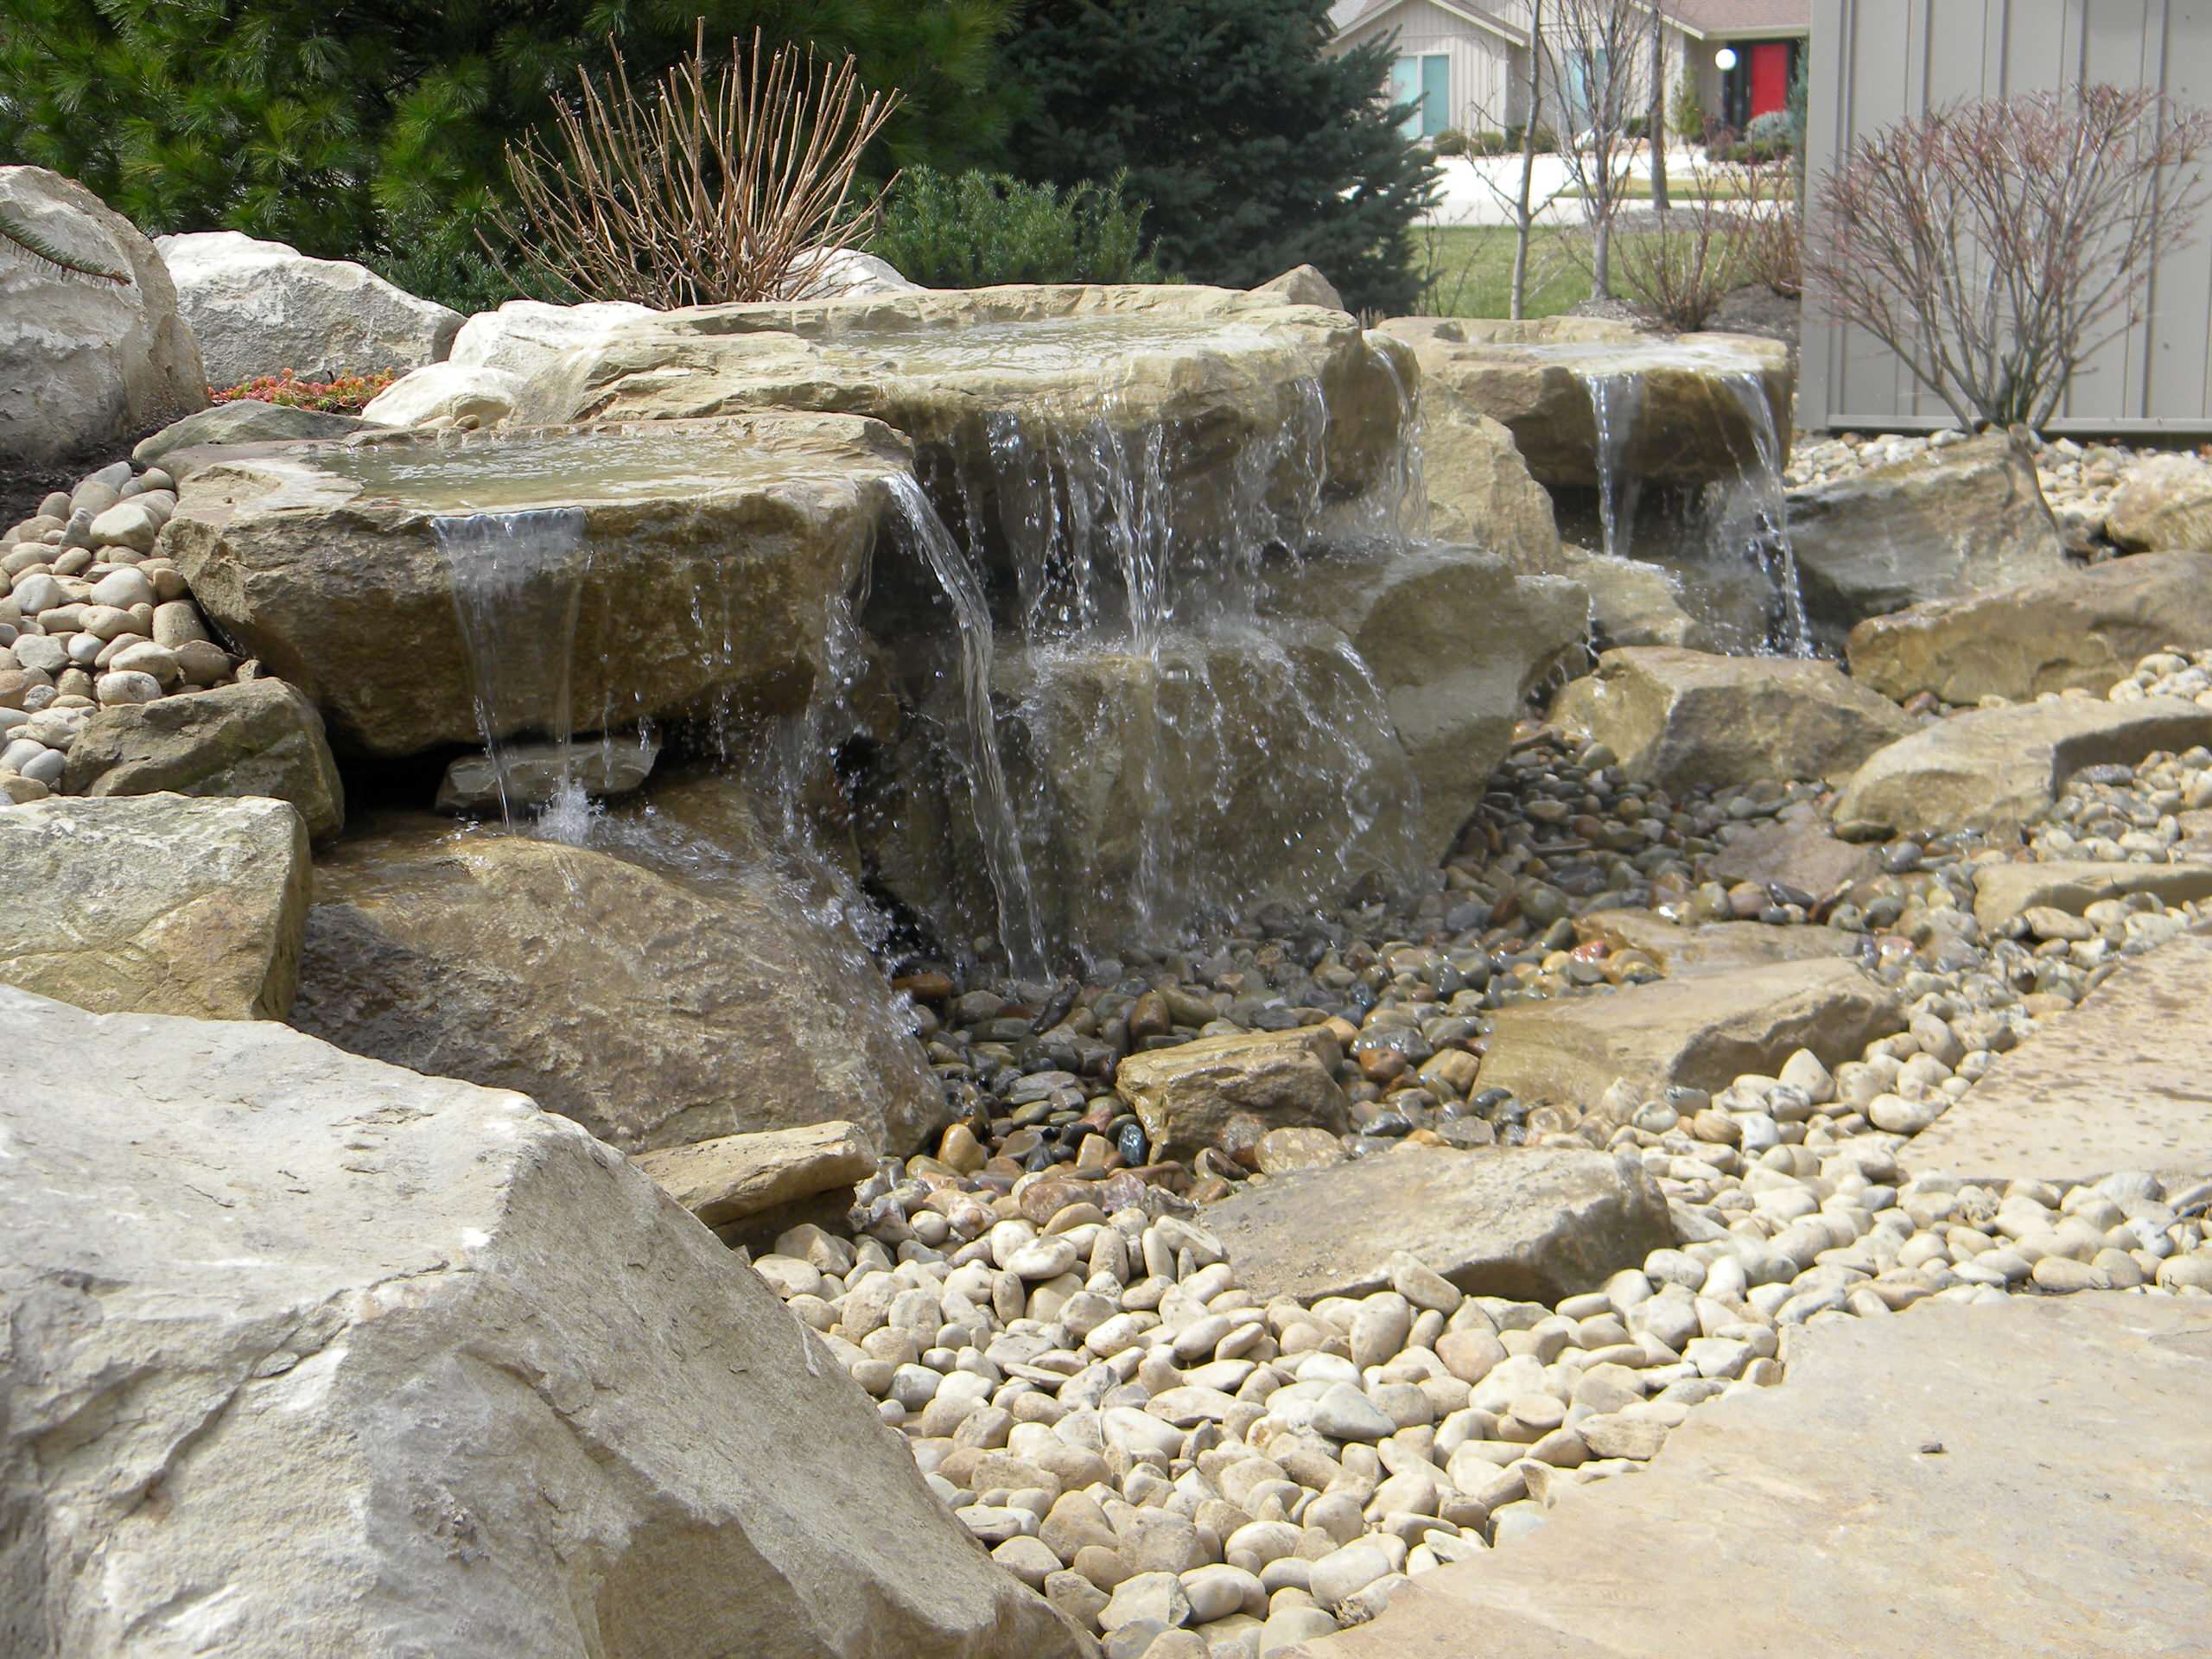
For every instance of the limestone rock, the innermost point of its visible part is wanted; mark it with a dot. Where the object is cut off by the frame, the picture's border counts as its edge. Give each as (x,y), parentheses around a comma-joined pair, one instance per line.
(1185,1096)
(1536,1223)
(1699,394)
(1996,769)
(2076,630)
(414,1366)
(449,394)
(2163,504)
(1480,490)
(1956,521)
(734,1176)
(1704,1029)
(709,582)
(656,1012)
(849,274)
(85,363)
(260,306)
(1634,602)
(2113,1084)
(258,737)
(1680,719)
(1225,367)
(612,763)
(1457,641)
(1803,856)
(524,336)
(2002,892)
(154,904)
(1303,285)
(176,447)
(1885,1443)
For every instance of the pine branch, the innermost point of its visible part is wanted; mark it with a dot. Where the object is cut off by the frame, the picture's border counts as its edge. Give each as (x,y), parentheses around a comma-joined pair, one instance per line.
(13,229)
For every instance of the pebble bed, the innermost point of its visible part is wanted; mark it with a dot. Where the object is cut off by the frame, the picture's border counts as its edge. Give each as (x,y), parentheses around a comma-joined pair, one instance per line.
(90,617)
(1188,1471)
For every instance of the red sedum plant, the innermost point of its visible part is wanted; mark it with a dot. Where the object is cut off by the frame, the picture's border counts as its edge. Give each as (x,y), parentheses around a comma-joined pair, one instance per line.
(346,395)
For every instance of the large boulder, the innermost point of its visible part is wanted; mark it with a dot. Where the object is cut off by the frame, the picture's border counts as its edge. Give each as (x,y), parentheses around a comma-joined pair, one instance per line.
(1957,520)
(1888,1445)
(155,904)
(524,336)
(257,308)
(969,375)
(707,577)
(258,737)
(2163,504)
(307,1353)
(1480,490)
(1535,1223)
(1695,416)
(1680,719)
(1457,641)
(1635,602)
(1701,1028)
(1303,285)
(1186,1096)
(2073,631)
(849,273)
(88,361)
(1995,770)
(467,394)
(654,1011)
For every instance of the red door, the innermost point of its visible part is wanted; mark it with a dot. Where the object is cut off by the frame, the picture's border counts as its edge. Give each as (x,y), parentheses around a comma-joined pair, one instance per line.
(1769,76)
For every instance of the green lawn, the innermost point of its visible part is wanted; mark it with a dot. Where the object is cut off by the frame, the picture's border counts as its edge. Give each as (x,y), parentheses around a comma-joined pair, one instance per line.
(1467,271)
(1724,186)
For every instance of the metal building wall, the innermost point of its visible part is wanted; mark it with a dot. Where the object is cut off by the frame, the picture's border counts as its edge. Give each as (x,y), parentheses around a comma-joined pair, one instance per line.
(1874,61)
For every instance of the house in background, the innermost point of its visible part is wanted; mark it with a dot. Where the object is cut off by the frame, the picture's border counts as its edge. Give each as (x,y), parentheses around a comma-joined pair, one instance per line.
(1463,64)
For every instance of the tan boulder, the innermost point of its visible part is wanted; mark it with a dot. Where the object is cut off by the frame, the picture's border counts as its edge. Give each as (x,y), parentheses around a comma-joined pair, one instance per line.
(1954,521)
(655,1011)
(1635,602)
(2163,504)
(707,578)
(1699,394)
(1480,490)
(2003,891)
(155,904)
(732,1176)
(1703,1029)
(1185,1096)
(2074,630)
(1996,769)
(1303,285)
(1680,947)
(1682,718)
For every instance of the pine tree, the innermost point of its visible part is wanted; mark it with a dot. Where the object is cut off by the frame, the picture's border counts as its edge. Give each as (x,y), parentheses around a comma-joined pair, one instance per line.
(374,129)
(1256,150)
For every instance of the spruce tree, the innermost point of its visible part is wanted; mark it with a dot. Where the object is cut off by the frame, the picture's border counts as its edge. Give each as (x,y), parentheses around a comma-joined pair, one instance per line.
(1257,150)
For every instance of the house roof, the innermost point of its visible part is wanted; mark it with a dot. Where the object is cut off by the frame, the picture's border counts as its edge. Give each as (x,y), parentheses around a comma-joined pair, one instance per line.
(1728,19)
(1347,14)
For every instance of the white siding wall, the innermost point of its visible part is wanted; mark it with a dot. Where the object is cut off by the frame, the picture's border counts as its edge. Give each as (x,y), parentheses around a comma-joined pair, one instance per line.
(1483,89)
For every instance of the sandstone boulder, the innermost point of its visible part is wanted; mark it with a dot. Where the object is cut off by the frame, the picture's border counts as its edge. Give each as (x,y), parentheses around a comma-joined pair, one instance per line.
(155,904)
(348,1360)
(86,362)
(735,1176)
(2163,504)
(258,737)
(1703,1029)
(257,308)
(447,394)
(654,1011)
(1635,602)
(1303,285)
(705,581)
(1954,521)
(2003,892)
(1996,769)
(1697,416)
(1538,1222)
(176,447)
(1480,490)
(524,336)
(1680,719)
(1680,947)
(1185,1096)
(2075,630)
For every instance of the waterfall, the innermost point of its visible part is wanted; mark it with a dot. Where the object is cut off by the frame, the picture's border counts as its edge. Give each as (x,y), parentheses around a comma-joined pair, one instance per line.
(1771,508)
(517,581)
(1019,930)
(1616,400)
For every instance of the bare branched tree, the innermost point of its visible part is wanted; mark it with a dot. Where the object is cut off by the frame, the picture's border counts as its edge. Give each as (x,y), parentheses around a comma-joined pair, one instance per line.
(709,188)
(1595,49)
(1524,217)
(1996,245)
(1654,122)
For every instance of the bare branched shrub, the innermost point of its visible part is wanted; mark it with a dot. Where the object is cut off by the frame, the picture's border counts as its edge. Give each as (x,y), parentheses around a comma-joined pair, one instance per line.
(1774,230)
(710,188)
(1678,266)
(1996,245)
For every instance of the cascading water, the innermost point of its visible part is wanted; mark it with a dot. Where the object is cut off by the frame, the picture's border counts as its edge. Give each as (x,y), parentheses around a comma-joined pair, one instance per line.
(1769,509)
(1616,400)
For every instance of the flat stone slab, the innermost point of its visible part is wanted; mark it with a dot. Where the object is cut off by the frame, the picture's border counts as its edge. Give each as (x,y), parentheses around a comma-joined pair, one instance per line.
(2063,1515)
(1680,947)
(1703,1029)
(2118,1083)
(734,1176)
(1806,857)
(1997,769)
(1533,1222)
(2002,892)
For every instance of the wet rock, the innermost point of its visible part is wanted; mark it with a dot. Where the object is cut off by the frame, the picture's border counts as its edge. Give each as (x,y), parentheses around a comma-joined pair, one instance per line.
(1186,1096)
(1480,490)
(244,420)
(533,773)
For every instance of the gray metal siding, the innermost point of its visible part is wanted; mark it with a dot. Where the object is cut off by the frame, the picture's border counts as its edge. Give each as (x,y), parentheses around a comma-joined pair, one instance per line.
(1874,61)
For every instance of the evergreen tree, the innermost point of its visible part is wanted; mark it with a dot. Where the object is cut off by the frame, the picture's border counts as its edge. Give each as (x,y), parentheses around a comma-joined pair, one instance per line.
(1256,150)
(376,128)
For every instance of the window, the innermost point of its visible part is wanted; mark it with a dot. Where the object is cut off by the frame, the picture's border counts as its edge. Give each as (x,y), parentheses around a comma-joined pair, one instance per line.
(1425,82)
